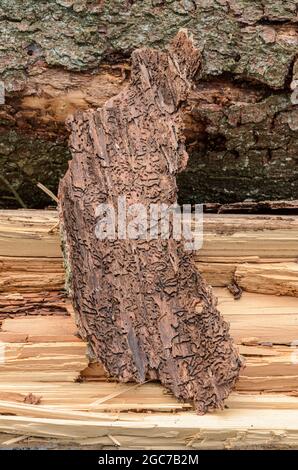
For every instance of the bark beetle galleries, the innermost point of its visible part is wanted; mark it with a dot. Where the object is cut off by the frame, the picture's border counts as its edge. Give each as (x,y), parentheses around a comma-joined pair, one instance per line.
(141,304)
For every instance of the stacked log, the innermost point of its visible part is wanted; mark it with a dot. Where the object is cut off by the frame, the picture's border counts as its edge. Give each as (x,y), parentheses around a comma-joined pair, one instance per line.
(264,325)
(259,253)
(40,349)
(48,390)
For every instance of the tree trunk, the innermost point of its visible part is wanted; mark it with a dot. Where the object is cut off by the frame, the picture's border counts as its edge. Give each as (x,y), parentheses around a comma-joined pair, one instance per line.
(141,304)
(65,55)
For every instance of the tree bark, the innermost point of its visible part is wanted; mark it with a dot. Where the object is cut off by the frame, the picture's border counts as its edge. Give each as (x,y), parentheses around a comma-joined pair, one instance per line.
(69,54)
(142,306)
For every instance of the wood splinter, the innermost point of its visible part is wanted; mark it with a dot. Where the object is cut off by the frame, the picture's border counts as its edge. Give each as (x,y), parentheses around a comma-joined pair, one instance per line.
(136,300)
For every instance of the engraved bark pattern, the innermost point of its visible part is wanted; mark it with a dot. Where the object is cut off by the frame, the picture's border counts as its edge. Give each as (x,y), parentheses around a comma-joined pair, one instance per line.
(141,304)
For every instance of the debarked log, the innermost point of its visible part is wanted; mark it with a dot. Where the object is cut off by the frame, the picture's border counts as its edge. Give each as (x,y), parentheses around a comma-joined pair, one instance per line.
(141,304)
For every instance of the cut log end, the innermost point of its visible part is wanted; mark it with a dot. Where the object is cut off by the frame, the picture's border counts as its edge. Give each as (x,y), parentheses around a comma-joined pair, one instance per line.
(137,300)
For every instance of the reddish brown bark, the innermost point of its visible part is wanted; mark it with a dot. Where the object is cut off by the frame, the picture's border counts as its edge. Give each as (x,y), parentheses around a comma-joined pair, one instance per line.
(141,305)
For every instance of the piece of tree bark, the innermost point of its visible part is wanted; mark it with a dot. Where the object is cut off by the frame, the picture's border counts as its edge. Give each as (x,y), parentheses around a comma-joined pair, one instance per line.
(141,305)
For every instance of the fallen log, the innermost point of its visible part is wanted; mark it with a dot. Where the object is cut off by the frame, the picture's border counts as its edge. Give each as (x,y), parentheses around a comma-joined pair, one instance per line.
(28,234)
(256,253)
(265,237)
(265,278)
(31,274)
(264,245)
(41,349)
(275,278)
(112,396)
(258,319)
(255,207)
(45,349)
(141,305)
(264,328)
(235,428)
(270,367)
(263,325)
(15,304)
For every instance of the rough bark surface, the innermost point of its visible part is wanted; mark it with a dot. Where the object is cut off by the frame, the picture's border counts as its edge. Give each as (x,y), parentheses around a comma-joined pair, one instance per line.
(141,304)
(73,54)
